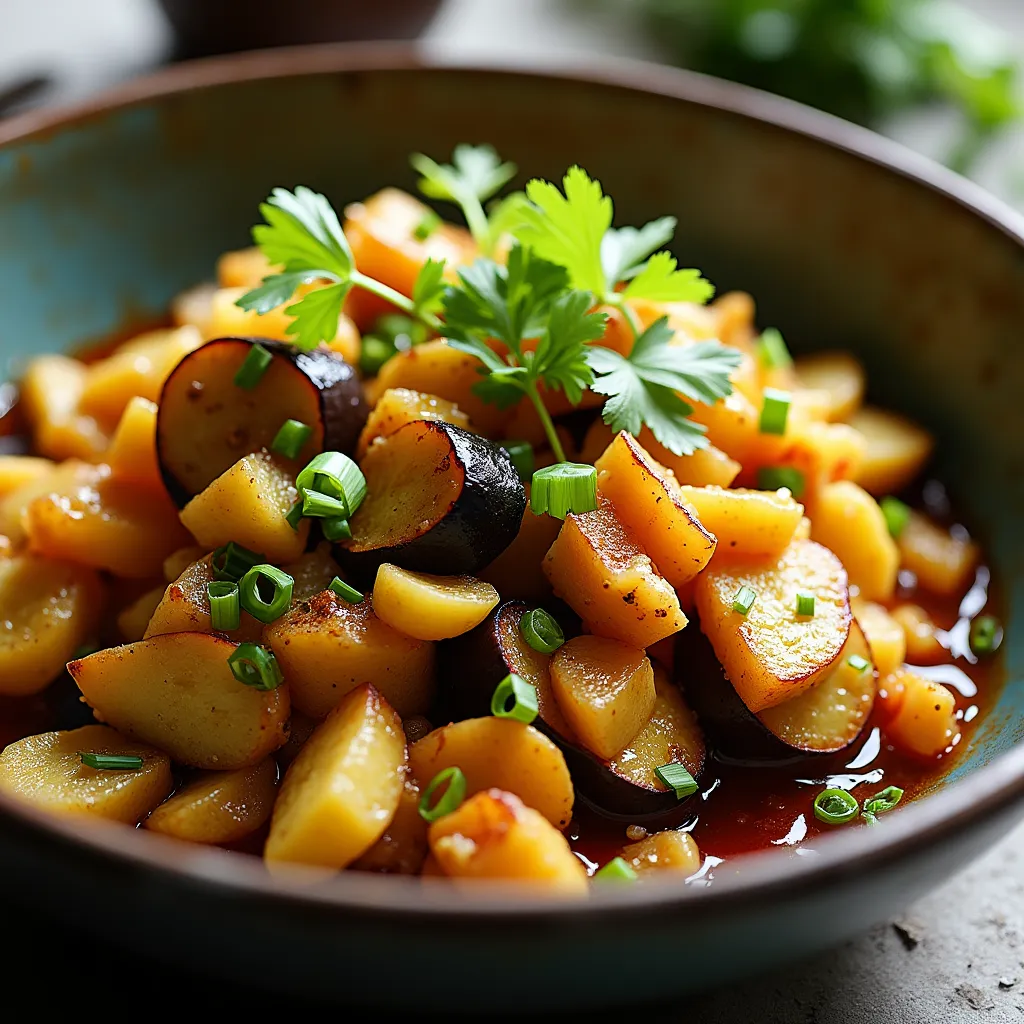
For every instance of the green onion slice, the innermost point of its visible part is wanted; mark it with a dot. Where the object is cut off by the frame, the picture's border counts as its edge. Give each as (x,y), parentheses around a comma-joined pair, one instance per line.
(335,529)
(294,516)
(450,799)
(881,802)
(291,437)
(774,478)
(772,350)
(857,663)
(111,762)
(522,695)
(835,807)
(344,591)
(897,515)
(429,223)
(232,561)
(256,363)
(254,666)
(541,631)
(323,506)
(616,870)
(336,476)
(677,778)
(225,606)
(986,635)
(563,488)
(521,454)
(266,592)
(375,352)
(805,604)
(744,600)
(775,411)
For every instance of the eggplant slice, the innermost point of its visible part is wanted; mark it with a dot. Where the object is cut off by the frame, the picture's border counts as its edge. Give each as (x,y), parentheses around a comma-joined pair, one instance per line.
(207,423)
(439,500)
(624,787)
(825,719)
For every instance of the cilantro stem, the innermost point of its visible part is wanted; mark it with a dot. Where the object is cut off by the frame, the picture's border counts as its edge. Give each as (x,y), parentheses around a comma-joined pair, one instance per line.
(403,302)
(629,316)
(476,221)
(546,422)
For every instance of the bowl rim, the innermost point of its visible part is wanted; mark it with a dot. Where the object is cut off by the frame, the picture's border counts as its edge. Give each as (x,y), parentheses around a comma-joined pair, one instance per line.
(986,792)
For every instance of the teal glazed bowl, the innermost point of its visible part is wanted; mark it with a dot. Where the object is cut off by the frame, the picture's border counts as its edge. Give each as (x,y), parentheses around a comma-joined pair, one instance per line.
(845,239)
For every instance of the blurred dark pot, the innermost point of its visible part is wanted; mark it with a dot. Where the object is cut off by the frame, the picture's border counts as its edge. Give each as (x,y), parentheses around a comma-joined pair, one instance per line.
(204,27)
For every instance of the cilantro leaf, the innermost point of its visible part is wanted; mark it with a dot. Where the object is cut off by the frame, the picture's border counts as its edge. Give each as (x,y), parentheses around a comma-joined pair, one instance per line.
(428,289)
(475,171)
(316,315)
(644,389)
(504,217)
(624,251)
(276,290)
(660,281)
(560,359)
(302,232)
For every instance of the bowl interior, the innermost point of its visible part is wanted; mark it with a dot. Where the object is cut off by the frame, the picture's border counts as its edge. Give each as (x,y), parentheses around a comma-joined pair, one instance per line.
(103,221)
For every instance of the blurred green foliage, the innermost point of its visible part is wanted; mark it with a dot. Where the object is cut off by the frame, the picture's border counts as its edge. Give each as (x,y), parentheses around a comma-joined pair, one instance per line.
(860,59)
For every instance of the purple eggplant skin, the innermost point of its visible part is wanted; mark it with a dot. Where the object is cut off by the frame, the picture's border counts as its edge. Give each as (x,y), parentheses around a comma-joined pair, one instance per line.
(479,525)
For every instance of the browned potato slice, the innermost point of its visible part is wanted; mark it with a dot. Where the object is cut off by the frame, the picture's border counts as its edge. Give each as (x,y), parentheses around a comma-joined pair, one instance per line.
(47,610)
(502,753)
(924,722)
(51,391)
(848,521)
(896,450)
(219,807)
(178,693)
(494,836)
(47,771)
(664,851)
(605,689)
(920,636)
(398,406)
(840,375)
(329,646)
(402,848)
(133,620)
(61,479)
(248,504)
(941,562)
(748,524)
(178,561)
(431,607)
(884,634)
(648,503)
(342,791)
(771,654)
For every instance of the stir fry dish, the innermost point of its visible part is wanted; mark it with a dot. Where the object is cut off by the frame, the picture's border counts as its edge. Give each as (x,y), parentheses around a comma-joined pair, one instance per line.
(498,551)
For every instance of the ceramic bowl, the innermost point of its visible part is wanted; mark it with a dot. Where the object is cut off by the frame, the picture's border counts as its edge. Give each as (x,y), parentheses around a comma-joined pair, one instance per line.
(845,239)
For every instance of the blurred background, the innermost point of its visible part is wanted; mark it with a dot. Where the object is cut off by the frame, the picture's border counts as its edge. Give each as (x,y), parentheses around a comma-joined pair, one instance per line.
(940,75)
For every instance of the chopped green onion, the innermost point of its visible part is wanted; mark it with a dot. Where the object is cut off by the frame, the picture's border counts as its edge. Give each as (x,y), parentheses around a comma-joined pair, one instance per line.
(616,870)
(266,609)
(288,441)
(450,799)
(294,516)
(986,635)
(774,478)
(337,476)
(805,604)
(335,529)
(835,806)
(677,778)
(428,224)
(540,631)
(744,600)
(775,411)
(881,802)
(323,506)
(253,666)
(111,762)
(772,351)
(225,608)
(857,663)
(374,353)
(344,591)
(521,454)
(897,515)
(563,488)
(232,561)
(250,373)
(522,695)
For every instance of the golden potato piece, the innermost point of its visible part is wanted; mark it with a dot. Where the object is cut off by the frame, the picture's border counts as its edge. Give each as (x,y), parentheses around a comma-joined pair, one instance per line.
(664,851)
(312,572)
(398,406)
(51,391)
(920,636)
(839,375)
(178,561)
(885,635)
(178,692)
(771,654)
(501,753)
(924,722)
(896,450)
(48,608)
(402,848)
(62,478)
(344,788)
(941,562)
(219,807)
(133,620)
(47,771)
(132,453)
(494,836)
(518,572)
(329,646)
(18,470)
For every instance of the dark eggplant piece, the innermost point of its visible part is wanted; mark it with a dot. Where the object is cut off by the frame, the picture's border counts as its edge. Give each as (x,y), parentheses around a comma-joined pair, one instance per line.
(439,499)
(823,720)
(207,423)
(624,787)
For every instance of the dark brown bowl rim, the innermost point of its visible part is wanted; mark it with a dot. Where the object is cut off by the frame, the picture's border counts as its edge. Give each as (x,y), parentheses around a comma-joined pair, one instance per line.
(768,875)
